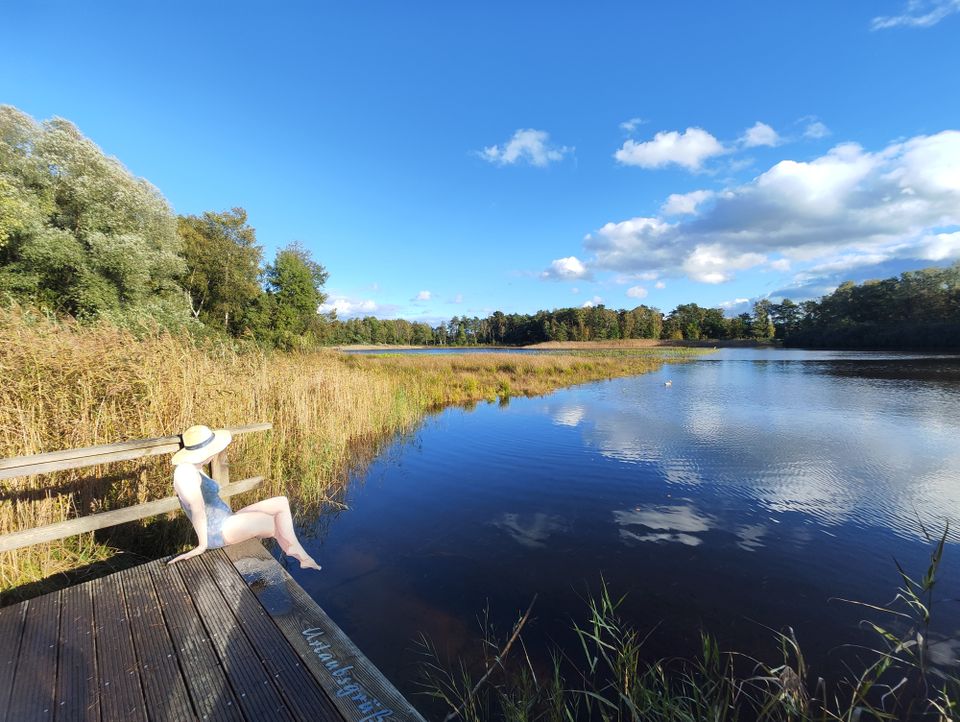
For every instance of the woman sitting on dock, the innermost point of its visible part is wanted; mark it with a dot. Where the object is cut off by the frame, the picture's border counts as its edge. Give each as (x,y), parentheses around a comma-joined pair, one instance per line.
(215,523)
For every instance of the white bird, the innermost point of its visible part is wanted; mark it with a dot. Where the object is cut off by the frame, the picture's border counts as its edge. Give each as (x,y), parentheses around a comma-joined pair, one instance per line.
(668,382)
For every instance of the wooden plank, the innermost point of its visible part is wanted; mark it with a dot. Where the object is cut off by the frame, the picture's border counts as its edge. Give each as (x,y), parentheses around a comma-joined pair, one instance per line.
(164,689)
(253,686)
(210,691)
(220,469)
(76,697)
(92,522)
(34,687)
(120,691)
(353,683)
(303,694)
(11,634)
(50,467)
(51,461)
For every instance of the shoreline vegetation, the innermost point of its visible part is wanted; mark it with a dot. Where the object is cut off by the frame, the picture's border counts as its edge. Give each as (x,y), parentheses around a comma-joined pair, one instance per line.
(607,345)
(605,675)
(68,385)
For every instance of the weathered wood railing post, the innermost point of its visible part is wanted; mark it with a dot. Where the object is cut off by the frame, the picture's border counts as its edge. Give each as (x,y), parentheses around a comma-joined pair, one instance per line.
(220,469)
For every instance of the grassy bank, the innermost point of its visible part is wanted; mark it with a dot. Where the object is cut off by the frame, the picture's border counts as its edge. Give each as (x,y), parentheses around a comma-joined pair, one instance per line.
(66,385)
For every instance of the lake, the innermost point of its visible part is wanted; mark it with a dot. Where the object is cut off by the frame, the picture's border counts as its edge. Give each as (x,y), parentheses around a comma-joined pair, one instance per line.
(750,494)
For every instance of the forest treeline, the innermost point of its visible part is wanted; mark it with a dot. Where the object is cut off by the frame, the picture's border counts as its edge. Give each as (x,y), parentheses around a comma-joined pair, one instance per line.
(918,309)
(82,237)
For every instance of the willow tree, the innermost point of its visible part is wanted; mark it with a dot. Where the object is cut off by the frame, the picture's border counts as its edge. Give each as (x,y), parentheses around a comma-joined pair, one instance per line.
(223,267)
(79,233)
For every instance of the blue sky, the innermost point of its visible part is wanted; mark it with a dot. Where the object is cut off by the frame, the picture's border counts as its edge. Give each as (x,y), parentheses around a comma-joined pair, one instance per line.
(452,158)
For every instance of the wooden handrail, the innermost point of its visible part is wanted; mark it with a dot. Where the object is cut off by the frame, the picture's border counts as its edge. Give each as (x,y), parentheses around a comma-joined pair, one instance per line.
(80,525)
(107,453)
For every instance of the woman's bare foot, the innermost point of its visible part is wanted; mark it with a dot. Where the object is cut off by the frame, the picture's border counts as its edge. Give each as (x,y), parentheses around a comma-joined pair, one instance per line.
(306,561)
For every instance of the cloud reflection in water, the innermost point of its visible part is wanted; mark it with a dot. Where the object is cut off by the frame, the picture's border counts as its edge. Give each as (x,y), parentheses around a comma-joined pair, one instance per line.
(530,530)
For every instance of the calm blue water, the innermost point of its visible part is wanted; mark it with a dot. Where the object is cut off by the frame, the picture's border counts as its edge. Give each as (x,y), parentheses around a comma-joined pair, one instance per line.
(751,492)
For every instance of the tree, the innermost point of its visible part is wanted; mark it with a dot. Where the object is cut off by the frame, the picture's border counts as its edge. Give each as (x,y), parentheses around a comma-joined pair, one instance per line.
(294,284)
(762,325)
(78,233)
(223,267)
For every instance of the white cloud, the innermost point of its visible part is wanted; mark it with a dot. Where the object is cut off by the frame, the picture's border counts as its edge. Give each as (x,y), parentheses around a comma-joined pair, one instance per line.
(727,305)
(526,146)
(637,292)
(760,134)
(685,203)
(458,298)
(689,149)
(660,284)
(715,263)
(566,269)
(816,130)
(423,296)
(901,202)
(628,126)
(346,308)
(918,14)
(595,301)
(940,247)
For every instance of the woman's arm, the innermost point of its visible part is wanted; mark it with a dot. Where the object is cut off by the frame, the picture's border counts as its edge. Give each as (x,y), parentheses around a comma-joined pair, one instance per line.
(186,482)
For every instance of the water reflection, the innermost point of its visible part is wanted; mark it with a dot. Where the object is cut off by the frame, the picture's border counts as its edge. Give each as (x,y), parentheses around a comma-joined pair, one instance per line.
(757,487)
(530,530)
(670,523)
(836,448)
(569,415)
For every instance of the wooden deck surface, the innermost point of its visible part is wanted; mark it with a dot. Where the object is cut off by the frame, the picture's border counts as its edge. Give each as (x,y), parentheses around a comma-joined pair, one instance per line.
(227,635)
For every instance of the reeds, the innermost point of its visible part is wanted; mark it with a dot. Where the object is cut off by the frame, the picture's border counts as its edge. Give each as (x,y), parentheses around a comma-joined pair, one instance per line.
(65,385)
(607,677)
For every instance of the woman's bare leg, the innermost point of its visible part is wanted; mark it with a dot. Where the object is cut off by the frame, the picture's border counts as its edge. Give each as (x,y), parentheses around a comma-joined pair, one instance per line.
(278,508)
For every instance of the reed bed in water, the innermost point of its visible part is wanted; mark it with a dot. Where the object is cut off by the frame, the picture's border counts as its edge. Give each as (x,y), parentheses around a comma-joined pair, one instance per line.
(65,385)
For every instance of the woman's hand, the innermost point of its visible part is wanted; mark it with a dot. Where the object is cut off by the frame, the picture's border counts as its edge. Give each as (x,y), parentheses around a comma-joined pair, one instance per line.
(192,553)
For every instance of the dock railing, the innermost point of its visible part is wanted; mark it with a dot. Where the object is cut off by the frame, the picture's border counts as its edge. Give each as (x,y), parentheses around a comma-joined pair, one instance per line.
(68,459)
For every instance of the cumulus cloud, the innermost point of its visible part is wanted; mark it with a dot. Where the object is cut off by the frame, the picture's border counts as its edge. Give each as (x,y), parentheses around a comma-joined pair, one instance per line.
(917,14)
(348,308)
(734,303)
(689,149)
(660,284)
(760,134)
(637,292)
(458,298)
(423,296)
(595,301)
(901,202)
(628,126)
(526,146)
(685,203)
(566,269)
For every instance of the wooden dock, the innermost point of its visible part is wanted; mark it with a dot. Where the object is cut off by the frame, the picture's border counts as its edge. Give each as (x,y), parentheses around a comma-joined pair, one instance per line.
(227,635)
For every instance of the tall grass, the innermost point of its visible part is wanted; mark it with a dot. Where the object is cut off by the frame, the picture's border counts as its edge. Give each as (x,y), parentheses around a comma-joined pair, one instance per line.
(63,385)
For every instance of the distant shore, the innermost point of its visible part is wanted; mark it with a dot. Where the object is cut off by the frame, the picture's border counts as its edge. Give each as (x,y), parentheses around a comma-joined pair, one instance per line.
(651,343)
(576,345)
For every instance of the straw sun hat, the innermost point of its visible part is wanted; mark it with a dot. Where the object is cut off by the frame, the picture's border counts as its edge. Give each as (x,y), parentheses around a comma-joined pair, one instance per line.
(200,443)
